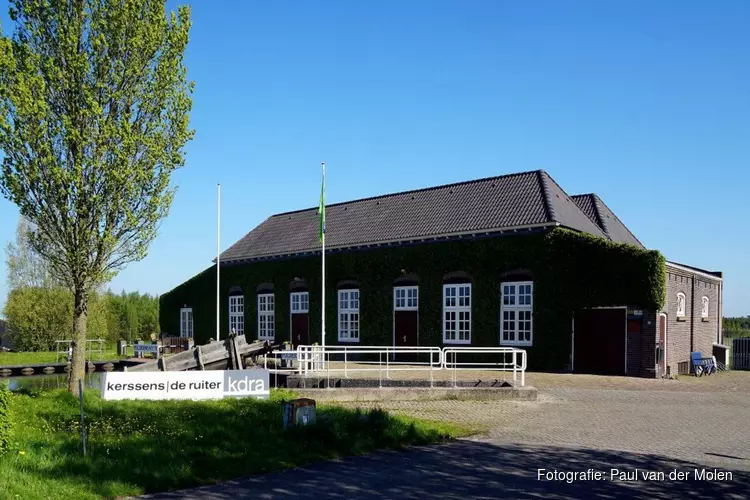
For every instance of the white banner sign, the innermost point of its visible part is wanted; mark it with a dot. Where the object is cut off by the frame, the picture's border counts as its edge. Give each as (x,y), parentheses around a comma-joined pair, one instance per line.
(146,348)
(195,385)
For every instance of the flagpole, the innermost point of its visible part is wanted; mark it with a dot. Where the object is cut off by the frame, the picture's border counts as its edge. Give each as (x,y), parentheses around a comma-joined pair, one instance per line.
(323,272)
(218,250)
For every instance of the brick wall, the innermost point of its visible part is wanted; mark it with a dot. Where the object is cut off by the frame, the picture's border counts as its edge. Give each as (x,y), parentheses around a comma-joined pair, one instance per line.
(691,332)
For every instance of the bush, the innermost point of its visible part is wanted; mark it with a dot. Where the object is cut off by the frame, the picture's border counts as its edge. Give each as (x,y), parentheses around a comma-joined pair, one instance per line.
(4,418)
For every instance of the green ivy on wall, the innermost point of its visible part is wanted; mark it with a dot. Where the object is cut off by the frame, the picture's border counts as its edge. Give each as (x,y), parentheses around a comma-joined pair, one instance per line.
(570,271)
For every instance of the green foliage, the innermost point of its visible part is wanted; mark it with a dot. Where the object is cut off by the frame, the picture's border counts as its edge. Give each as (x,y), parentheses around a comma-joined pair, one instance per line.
(148,446)
(736,324)
(131,316)
(94,105)
(5,422)
(37,317)
(570,271)
(25,267)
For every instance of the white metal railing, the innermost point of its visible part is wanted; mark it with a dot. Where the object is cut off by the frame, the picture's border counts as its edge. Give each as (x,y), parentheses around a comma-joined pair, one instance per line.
(507,359)
(384,360)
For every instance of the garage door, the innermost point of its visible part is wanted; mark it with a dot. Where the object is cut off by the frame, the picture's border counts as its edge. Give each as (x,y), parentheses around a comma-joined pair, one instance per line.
(599,342)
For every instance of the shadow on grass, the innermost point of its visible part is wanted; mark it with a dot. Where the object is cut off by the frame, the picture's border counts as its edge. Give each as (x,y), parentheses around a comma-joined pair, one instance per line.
(157,446)
(468,469)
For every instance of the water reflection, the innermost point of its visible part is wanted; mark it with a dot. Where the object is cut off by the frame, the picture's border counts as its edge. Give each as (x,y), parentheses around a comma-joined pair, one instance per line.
(54,381)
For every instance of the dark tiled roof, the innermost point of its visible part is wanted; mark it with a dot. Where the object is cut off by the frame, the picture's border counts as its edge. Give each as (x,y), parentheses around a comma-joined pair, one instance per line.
(599,212)
(523,200)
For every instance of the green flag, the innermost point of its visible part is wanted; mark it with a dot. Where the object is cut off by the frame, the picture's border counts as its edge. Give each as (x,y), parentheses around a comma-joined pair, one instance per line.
(322,208)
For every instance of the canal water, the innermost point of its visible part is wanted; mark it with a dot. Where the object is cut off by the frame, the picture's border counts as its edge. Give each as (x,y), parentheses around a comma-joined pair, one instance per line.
(48,382)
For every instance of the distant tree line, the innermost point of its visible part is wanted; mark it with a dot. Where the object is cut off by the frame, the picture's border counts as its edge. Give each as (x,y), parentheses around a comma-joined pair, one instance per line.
(736,324)
(39,310)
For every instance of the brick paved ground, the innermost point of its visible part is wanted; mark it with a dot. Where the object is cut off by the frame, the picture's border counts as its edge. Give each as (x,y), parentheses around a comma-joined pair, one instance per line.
(702,420)
(579,422)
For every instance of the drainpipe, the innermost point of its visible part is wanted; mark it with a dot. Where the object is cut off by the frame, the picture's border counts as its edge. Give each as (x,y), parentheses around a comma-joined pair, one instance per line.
(692,313)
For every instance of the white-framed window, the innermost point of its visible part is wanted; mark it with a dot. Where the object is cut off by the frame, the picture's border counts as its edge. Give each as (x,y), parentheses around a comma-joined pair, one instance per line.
(704,307)
(237,314)
(516,310)
(457,313)
(406,298)
(299,302)
(266,321)
(680,305)
(186,322)
(349,315)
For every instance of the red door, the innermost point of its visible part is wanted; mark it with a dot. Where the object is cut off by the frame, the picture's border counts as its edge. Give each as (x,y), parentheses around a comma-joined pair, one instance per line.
(599,343)
(406,328)
(406,320)
(300,330)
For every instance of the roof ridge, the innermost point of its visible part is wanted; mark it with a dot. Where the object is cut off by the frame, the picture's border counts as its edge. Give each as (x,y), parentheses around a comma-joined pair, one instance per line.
(592,197)
(543,178)
(598,201)
(411,191)
(597,198)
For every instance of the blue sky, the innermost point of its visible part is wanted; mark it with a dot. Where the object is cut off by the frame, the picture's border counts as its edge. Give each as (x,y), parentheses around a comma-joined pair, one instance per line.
(645,103)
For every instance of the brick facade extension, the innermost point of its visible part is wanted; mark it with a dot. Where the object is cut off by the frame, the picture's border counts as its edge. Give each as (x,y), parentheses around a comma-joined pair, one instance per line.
(691,332)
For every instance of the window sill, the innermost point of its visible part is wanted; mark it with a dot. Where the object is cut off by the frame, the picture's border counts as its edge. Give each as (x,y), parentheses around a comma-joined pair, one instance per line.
(705,320)
(515,344)
(681,319)
(459,342)
(349,341)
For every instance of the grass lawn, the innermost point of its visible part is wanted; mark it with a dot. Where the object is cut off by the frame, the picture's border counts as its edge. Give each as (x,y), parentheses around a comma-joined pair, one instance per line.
(42,357)
(146,446)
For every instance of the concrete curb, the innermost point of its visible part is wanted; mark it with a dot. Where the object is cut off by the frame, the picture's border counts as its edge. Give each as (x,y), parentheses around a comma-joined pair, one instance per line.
(420,394)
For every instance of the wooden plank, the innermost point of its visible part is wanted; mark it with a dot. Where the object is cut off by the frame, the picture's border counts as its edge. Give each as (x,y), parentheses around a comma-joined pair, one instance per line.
(232,354)
(215,353)
(199,358)
(236,354)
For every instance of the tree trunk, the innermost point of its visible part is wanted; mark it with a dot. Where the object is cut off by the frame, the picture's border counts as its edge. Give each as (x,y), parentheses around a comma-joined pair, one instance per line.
(80,321)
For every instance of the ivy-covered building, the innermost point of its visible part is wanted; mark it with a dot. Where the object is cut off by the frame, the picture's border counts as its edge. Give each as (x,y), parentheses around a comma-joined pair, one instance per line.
(503,261)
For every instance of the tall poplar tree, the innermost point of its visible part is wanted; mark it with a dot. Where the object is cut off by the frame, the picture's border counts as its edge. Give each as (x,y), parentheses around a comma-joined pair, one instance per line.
(94,105)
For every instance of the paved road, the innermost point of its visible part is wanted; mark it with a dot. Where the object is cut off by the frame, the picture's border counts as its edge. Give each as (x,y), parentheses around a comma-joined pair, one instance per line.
(568,429)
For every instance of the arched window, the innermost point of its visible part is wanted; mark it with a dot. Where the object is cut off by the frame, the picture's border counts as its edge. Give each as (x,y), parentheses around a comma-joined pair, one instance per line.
(680,305)
(704,307)
(236,311)
(516,309)
(266,314)
(457,308)
(348,305)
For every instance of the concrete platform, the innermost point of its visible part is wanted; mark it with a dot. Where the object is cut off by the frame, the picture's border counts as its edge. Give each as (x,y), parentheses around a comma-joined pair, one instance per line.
(420,394)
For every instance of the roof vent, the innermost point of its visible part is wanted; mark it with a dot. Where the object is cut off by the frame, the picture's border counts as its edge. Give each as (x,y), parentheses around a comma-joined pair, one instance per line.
(377,203)
(492,185)
(346,208)
(412,197)
(451,191)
